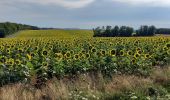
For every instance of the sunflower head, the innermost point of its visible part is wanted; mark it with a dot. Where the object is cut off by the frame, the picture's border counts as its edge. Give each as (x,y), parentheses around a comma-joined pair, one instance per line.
(103,52)
(87,55)
(29,56)
(168,45)
(133,61)
(18,62)
(3,59)
(44,53)
(93,50)
(136,55)
(10,62)
(113,52)
(129,53)
(121,53)
(58,56)
(147,56)
(76,56)
(67,54)
(8,51)
(165,48)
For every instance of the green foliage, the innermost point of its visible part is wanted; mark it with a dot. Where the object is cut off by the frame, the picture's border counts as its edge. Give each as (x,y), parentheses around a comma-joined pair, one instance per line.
(46,57)
(123,31)
(10,28)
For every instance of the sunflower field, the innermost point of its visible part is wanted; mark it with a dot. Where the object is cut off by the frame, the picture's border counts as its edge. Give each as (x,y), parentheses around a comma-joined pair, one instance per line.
(45,56)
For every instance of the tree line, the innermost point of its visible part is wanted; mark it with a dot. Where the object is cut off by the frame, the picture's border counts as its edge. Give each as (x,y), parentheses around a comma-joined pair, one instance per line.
(126,31)
(8,28)
(163,31)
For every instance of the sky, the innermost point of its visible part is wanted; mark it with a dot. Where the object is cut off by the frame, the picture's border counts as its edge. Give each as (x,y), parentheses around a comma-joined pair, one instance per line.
(86,14)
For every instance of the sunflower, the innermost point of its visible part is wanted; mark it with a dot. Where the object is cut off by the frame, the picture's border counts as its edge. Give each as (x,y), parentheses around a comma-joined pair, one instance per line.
(36,48)
(2,48)
(147,56)
(32,54)
(139,51)
(20,50)
(93,50)
(129,53)
(87,55)
(72,52)
(58,56)
(133,61)
(136,55)
(121,53)
(103,52)
(3,59)
(29,56)
(8,51)
(17,55)
(18,62)
(83,51)
(45,65)
(165,48)
(168,45)
(44,53)
(113,52)
(90,47)
(76,56)
(67,54)
(10,62)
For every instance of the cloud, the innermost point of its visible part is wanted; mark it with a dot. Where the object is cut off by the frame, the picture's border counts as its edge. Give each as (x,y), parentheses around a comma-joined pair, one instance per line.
(64,3)
(156,3)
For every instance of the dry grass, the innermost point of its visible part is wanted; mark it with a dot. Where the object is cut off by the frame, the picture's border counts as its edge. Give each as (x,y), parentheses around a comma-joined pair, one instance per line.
(92,83)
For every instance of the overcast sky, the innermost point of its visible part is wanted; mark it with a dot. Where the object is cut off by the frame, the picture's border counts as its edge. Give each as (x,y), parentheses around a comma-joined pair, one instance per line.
(86,13)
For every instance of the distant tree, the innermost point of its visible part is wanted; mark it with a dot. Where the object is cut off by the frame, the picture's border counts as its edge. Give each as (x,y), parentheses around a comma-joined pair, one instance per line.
(146,31)
(108,31)
(125,31)
(163,31)
(151,30)
(97,32)
(10,28)
(122,31)
(115,31)
(2,34)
